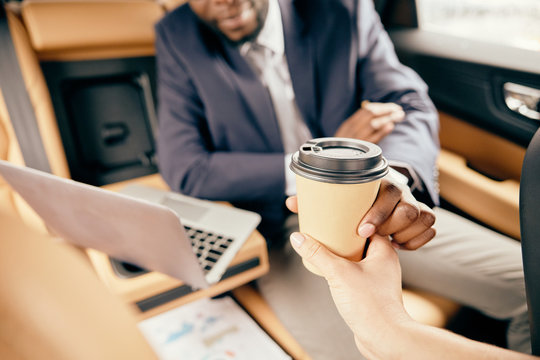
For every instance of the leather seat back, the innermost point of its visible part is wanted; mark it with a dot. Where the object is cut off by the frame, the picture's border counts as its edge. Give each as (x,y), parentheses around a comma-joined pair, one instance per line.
(529,212)
(53,306)
(98,61)
(46,122)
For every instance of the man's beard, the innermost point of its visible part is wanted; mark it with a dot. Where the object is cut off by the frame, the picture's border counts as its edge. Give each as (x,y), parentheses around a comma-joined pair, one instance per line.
(261,10)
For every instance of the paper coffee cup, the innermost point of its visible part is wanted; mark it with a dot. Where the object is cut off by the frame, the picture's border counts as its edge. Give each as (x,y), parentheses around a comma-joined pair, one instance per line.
(337,181)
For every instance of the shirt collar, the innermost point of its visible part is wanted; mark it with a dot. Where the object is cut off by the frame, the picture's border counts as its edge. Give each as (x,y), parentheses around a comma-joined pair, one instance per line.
(271,35)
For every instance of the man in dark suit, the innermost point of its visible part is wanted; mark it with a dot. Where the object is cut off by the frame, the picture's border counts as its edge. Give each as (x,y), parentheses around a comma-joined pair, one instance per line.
(242,83)
(221,139)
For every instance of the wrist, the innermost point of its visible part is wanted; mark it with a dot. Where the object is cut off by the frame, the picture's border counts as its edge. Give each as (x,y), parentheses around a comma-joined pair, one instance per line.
(397,176)
(372,336)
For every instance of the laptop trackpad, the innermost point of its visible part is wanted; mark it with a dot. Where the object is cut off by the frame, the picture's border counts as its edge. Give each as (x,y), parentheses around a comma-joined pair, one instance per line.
(183,209)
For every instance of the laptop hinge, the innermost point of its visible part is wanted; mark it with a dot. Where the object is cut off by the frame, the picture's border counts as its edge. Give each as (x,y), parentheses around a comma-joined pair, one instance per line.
(19,106)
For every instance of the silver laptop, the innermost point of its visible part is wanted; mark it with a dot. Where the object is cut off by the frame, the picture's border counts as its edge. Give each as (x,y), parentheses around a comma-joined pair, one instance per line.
(142,232)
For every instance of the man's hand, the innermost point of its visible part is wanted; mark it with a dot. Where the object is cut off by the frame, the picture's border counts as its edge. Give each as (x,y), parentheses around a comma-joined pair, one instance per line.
(372,122)
(394,213)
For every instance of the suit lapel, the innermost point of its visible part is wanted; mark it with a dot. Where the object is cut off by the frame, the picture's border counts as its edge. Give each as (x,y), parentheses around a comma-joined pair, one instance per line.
(254,94)
(300,57)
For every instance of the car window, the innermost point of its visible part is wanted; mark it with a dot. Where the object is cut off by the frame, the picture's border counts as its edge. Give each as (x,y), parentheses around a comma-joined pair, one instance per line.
(506,22)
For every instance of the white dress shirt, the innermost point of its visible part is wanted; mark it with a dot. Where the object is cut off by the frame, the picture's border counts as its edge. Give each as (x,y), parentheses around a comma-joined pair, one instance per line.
(266,55)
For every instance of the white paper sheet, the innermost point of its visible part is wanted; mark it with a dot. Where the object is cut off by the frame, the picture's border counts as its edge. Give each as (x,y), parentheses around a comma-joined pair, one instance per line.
(209,330)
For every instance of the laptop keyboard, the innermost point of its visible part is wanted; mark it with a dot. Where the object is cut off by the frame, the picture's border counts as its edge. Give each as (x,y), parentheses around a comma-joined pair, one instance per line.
(207,246)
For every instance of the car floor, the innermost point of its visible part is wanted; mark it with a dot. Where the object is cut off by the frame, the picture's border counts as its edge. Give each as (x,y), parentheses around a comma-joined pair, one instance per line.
(477,326)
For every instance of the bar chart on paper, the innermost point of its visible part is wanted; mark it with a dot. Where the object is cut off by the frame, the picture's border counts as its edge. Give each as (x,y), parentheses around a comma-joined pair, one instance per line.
(209,330)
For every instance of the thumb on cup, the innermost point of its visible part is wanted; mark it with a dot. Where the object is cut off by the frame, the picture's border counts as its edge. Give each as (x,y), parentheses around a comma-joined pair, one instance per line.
(314,252)
(380,247)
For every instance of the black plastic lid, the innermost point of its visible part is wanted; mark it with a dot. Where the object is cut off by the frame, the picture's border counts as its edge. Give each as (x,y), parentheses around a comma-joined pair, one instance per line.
(339,161)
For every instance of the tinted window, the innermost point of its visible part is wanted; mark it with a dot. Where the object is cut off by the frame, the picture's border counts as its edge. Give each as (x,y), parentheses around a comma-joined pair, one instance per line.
(507,22)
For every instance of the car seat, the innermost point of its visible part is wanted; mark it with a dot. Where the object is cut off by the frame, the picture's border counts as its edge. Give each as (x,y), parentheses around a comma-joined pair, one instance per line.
(529,211)
(53,306)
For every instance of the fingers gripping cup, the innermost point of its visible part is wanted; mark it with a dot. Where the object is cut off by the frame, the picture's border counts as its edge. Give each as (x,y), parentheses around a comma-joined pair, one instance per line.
(337,180)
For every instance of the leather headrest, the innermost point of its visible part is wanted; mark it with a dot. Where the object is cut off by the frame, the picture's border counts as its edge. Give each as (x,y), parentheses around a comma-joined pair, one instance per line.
(70,26)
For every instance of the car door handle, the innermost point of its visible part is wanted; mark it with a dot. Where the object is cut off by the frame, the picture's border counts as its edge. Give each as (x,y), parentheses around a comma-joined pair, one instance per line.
(523,100)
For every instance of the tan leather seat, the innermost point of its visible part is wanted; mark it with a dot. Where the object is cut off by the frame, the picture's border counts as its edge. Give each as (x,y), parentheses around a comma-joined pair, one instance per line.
(67,30)
(102,81)
(39,97)
(170,5)
(53,306)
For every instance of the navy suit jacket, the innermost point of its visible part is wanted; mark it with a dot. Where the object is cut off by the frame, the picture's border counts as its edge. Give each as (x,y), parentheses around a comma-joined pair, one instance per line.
(218,135)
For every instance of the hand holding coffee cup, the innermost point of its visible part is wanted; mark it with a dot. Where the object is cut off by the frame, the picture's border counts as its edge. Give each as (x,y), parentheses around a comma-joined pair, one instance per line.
(339,182)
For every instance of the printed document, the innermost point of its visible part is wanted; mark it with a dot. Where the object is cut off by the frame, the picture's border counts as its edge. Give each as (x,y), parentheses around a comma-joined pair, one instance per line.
(211,330)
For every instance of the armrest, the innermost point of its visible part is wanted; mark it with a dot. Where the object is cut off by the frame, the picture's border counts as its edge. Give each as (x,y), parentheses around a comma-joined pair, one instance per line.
(154,180)
(496,203)
(257,307)
(139,290)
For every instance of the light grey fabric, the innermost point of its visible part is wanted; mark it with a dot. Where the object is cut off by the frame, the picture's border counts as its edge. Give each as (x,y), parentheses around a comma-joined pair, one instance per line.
(465,262)
(302,301)
(476,267)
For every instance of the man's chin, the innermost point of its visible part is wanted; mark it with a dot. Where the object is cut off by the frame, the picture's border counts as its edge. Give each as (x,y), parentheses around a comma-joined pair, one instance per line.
(239,40)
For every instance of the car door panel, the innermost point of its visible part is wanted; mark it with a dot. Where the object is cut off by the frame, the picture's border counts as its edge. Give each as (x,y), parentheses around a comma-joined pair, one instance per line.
(479,173)
(483,141)
(466,78)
